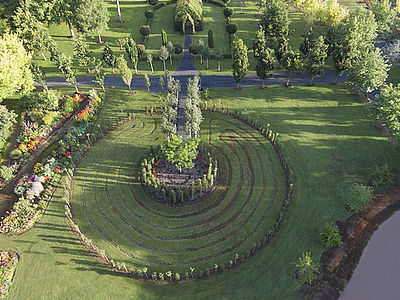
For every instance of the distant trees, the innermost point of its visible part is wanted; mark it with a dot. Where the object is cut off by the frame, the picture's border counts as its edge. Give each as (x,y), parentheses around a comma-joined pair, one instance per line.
(192,108)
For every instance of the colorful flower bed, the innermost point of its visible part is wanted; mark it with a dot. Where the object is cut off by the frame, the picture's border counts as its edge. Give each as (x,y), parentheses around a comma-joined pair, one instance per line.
(36,189)
(38,123)
(8,263)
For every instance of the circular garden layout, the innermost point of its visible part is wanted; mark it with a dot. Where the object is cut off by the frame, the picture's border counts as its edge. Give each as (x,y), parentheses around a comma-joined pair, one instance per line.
(114,211)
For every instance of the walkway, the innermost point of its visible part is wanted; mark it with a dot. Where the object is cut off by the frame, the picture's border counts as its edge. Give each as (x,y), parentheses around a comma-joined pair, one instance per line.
(183,72)
(377,273)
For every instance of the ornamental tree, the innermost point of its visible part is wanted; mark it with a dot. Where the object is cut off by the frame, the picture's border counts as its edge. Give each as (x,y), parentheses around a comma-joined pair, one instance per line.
(259,43)
(314,62)
(200,49)
(15,72)
(149,14)
(164,38)
(92,17)
(307,43)
(351,39)
(231,28)
(171,51)
(306,269)
(133,53)
(368,72)
(164,55)
(228,12)
(293,64)
(275,19)
(150,61)
(385,16)
(207,54)
(210,38)
(39,75)
(219,56)
(99,75)
(144,31)
(240,60)
(265,64)
(193,114)
(81,52)
(180,153)
(109,58)
(387,109)
(125,72)
(34,36)
(282,48)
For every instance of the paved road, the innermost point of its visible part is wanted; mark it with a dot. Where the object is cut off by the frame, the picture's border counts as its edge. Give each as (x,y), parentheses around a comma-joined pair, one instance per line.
(377,274)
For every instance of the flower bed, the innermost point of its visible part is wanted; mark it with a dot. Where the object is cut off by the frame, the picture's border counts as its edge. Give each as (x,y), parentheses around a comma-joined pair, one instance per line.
(36,189)
(8,264)
(168,185)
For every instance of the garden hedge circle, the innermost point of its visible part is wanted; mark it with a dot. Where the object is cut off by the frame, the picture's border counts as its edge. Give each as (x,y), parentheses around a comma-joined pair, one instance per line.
(195,241)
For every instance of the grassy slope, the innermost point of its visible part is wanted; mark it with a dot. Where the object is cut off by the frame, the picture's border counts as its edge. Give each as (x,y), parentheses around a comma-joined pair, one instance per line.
(328,138)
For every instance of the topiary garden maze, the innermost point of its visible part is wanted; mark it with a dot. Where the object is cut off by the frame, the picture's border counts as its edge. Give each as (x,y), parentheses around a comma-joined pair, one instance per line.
(192,241)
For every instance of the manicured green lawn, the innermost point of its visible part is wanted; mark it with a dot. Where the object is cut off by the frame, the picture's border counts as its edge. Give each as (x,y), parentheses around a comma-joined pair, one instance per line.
(328,138)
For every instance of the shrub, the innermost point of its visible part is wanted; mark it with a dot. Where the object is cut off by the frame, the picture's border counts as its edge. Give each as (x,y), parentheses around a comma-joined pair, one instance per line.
(178,49)
(231,28)
(210,39)
(16,154)
(6,173)
(358,196)
(141,50)
(144,30)
(228,12)
(164,37)
(7,119)
(194,49)
(149,13)
(44,101)
(69,104)
(49,118)
(306,269)
(330,235)
(381,176)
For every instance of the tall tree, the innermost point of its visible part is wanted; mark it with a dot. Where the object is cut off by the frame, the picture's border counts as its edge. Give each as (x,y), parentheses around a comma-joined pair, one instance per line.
(265,64)
(292,62)
(387,109)
(15,72)
(31,32)
(92,17)
(275,20)
(385,16)
(219,56)
(351,38)
(308,42)
(171,51)
(368,72)
(240,60)
(133,53)
(70,73)
(82,53)
(281,48)
(99,75)
(207,54)
(125,72)
(314,62)
(109,57)
(259,43)
(64,11)
(193,114)
(164,55)
(150,61)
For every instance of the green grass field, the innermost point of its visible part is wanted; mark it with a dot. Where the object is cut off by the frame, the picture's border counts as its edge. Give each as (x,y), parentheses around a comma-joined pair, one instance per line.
(327,136)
